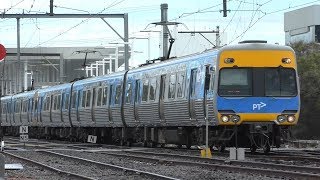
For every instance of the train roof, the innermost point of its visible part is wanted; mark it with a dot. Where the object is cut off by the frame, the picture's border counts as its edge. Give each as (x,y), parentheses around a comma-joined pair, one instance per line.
(256,46)
(175,60)
(119,74)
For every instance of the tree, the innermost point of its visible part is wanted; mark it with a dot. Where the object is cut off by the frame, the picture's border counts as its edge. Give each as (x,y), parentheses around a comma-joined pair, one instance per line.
(308,58)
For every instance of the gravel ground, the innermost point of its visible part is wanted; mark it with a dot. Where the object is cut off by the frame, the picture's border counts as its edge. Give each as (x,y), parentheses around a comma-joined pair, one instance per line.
(177,171)
(86,169)
(29,171)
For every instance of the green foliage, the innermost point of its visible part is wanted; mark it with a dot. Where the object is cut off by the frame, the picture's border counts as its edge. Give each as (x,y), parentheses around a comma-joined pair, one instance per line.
(308,57)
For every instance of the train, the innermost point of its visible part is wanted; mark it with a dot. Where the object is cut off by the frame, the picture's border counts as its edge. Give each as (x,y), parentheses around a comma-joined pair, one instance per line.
(243,95)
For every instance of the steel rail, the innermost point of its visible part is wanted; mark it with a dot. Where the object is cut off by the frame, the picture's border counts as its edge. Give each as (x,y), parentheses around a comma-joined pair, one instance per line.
(70,174)
(274,169)
(150,174)
(241,163)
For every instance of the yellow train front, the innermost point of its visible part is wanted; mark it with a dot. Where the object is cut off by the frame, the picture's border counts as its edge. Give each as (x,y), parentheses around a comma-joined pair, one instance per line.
(258,91)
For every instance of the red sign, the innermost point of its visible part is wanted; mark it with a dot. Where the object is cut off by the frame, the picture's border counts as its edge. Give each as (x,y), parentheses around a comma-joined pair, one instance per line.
(3,52)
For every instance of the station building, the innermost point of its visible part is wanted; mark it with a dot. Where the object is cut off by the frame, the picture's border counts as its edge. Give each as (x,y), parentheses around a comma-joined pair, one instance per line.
(302,25)
(46,66)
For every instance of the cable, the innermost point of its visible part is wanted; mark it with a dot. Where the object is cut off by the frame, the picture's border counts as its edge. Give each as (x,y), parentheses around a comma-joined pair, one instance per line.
(5,11)
(272,12)
(85,20)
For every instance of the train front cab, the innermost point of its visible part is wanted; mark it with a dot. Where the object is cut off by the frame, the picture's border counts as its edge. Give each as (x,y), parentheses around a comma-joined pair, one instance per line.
(258,92)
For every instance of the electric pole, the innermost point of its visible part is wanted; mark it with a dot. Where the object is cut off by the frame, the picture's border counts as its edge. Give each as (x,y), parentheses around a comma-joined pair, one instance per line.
(224,8)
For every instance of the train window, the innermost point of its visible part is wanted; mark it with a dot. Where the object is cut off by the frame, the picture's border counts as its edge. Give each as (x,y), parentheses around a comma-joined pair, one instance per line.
(193,82)
(83,99)
(145,90)
(235,82)
(36,101)
(110,94)
(105,96)
(55,102)
(67,99)
(172,86)
(17,107)
(118,94)
(280,82)
(99,96)
(129,93)
(137,92)
(59,102)
(180,85)
(212,76)
(94,97)
(4,108)
(153,87)
(88,99)
(48,103)
(74,100)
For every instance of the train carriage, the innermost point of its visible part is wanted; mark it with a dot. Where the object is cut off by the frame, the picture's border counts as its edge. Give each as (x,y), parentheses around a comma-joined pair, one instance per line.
(258,91)
(249,93)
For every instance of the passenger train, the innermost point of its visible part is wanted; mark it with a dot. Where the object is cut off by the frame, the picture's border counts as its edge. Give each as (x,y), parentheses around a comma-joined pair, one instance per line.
(248,93)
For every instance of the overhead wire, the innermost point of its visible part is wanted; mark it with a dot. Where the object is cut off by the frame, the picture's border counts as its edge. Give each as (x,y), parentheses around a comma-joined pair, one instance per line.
(78,24)
(268,13)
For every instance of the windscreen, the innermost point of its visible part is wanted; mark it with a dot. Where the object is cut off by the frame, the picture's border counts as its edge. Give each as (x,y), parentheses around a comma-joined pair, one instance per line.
(276,82)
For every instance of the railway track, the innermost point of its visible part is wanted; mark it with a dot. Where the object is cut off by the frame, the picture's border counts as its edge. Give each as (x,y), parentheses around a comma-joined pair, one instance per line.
(267,165)
(90,166)
(269,169)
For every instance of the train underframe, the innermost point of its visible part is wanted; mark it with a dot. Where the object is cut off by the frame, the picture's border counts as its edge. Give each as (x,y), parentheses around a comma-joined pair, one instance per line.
(253,136)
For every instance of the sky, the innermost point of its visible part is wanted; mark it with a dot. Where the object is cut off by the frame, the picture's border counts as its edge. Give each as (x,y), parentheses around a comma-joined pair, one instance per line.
(246,20)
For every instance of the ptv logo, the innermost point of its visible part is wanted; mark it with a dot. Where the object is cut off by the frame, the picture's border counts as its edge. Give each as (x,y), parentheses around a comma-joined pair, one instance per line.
(258,106)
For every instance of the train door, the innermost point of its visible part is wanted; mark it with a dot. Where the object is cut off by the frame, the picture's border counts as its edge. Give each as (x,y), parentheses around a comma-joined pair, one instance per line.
(192,93)
(162,96)
(207,79)
(136,101)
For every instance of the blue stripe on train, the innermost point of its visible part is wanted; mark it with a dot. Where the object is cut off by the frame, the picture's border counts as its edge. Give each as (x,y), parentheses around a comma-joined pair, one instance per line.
(257,104)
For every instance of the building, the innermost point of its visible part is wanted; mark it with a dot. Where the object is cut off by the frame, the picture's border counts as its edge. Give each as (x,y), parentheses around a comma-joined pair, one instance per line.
(47,66)
(302,25)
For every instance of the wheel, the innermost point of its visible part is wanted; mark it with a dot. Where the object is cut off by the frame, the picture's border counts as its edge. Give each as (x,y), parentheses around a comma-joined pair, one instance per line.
(266,148)
(253,149)
(145,144)
(162,145)
(188,146)
(221,147)
(129,143)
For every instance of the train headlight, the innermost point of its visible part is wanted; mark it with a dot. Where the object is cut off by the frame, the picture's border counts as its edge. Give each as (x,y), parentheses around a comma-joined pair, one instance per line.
(235,118)
(291,119)
(225,118)
(281,118)
(286,60)
(228,60)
